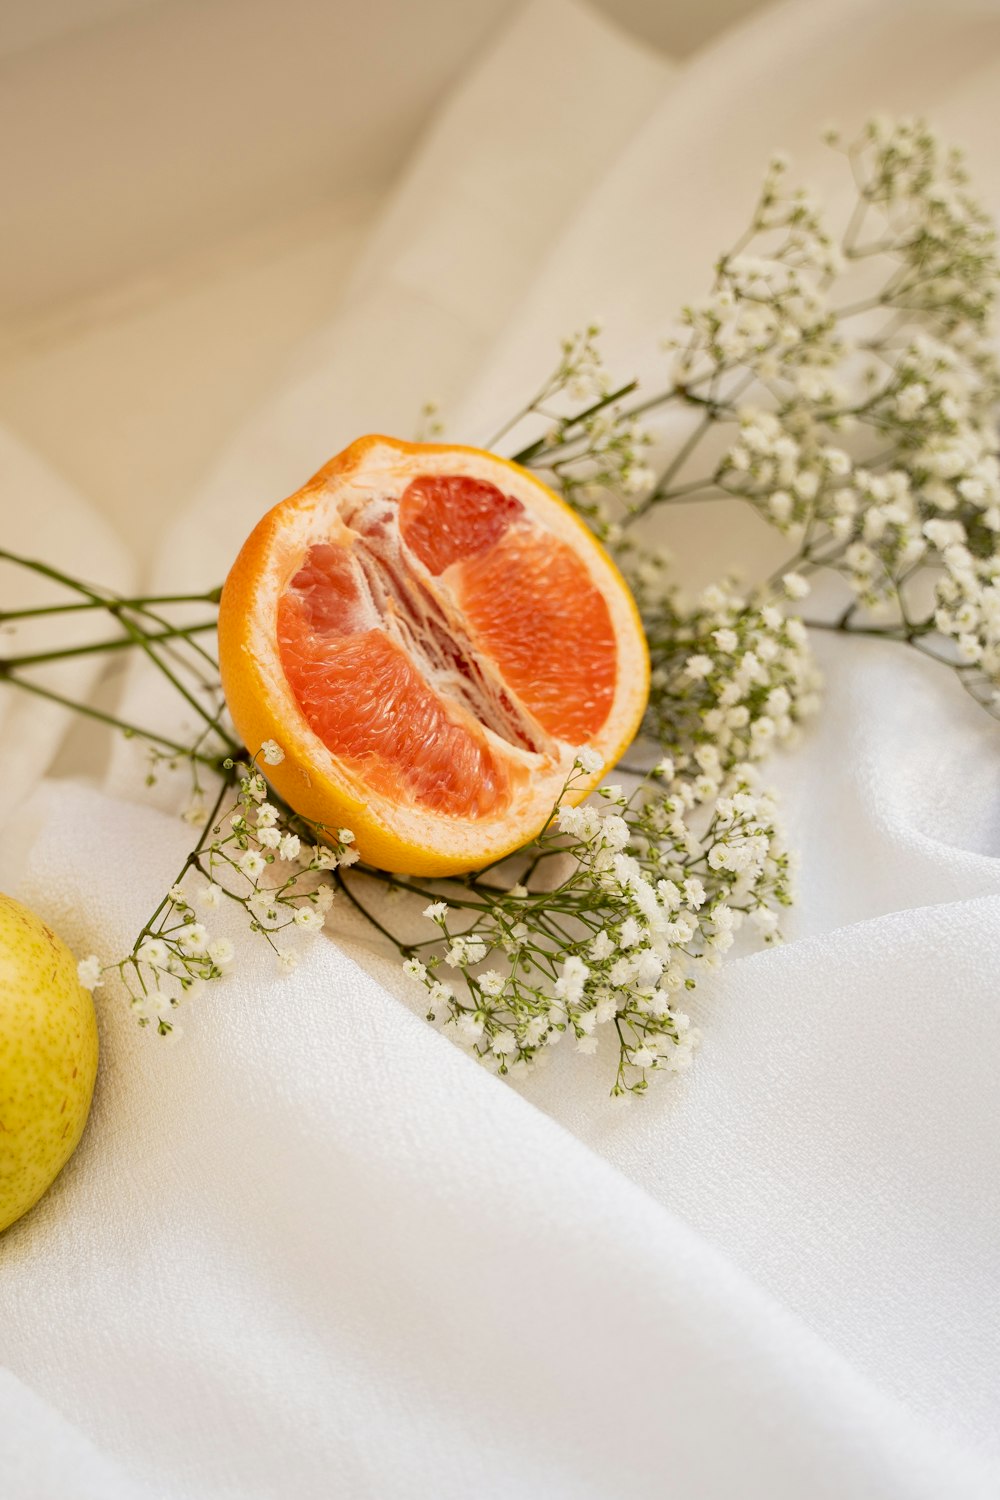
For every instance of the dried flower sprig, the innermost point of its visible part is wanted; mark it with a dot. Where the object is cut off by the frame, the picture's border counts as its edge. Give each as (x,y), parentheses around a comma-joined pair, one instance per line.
(732,678)
(847,389)
(641,891)
(250,852)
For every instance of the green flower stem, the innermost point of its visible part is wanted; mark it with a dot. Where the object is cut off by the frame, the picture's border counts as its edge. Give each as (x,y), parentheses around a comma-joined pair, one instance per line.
(386,877)
(190,862)
(912,635)
(534,450)
(119,610)
(660,493)
(835,626)
(141,640)
(199,865)
(98,599)
(9,616)
(40,658)
(909,635)
(130,730)
(182,632)
(404,948)
(96,596)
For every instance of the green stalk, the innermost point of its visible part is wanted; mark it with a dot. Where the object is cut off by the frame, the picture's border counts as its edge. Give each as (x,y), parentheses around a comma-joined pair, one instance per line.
(130,730)
(8,616)
(403,948)
(40,658)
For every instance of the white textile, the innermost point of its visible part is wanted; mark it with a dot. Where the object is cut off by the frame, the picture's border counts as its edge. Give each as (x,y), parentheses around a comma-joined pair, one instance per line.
(312,1250)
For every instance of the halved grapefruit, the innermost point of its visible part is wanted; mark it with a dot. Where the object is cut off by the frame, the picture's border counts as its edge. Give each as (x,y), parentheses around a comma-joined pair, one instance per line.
(431,635)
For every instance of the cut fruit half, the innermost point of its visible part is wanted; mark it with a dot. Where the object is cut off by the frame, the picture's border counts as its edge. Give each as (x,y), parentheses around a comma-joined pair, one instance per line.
(431,635)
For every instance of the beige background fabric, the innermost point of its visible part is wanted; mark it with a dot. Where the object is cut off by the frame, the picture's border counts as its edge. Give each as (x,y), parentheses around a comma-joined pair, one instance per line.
(186,188)
(313,1249)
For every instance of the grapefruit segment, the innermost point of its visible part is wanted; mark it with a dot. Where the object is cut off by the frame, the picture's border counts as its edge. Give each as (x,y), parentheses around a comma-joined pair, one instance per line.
(444,518)
(430,635)
(371,707)
(327,593)
(533,609)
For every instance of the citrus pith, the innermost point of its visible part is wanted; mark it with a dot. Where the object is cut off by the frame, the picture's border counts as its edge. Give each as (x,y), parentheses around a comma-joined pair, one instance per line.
(431,635)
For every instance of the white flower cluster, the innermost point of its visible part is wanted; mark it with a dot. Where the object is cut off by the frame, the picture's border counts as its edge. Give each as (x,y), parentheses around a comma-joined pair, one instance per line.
(651,888)
(241,850)
(595,453)
(601,455)
(732,679)
(580,372)
(780,462)
(928,508)
(769,312)
(943,239)
(968,608)
(874,450)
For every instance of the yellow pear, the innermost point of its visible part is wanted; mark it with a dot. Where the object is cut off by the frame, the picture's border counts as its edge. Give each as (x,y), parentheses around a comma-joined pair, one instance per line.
(48,1058)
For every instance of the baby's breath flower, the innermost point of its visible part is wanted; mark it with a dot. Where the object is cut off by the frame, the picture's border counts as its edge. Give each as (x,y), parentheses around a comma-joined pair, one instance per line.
(847,434)
(617,936)
(193,939)
(470,1027)
(253,864)
(698,666)
(309,918)
(589,760)
(88,971)
(752,683)
(175,955)
(154,952)
(272,752)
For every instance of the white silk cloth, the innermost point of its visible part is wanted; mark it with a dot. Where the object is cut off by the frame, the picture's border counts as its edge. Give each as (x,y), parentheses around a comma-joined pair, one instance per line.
(313,1250)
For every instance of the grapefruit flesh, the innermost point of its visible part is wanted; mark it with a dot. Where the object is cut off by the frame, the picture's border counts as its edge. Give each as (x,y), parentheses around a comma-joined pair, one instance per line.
(430,635)
(524,602)
(368,701)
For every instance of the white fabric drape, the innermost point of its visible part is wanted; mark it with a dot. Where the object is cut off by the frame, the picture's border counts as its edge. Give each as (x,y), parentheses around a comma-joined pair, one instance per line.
(313,1250)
